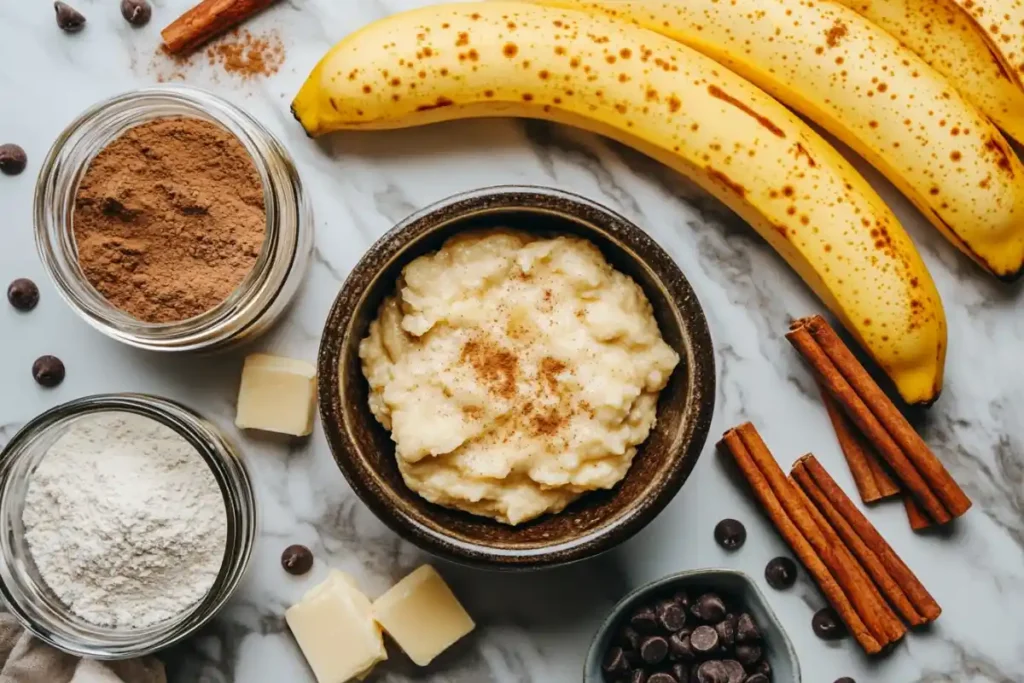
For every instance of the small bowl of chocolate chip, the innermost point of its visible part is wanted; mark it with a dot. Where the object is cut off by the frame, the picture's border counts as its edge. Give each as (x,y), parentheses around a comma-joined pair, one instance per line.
(705,626)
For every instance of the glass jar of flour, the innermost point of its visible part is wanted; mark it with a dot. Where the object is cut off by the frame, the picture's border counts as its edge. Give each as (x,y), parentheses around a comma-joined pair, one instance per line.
(169,484)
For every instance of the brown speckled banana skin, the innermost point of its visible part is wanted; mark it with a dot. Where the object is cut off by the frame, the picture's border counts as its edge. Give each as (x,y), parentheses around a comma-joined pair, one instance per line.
(666,100)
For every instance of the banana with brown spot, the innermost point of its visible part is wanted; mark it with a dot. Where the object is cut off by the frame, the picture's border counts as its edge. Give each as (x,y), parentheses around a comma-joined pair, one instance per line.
(652,93)
(874,94)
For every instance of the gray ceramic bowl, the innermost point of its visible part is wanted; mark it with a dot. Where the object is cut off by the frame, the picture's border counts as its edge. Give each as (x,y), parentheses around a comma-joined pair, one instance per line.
(728,583)
(599,520)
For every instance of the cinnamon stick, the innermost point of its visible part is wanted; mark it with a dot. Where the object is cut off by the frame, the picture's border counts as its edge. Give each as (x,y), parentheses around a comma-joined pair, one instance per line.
(873,482)
(922,600)
(918,519)
(835,380)
(739,449)
(207,20)
(868,559)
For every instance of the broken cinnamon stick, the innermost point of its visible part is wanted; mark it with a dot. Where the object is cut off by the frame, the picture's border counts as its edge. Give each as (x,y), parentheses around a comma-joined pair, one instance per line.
(207,20)
(845,378)
(868,559)
(922,600)
(733,444)
(918,519)
(873,482)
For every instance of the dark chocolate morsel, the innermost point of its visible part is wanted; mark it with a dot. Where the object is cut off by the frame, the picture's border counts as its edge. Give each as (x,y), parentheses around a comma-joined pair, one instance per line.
(746,630)
(712,672)
(681,672)
(826,624)
(136,12)
(762,667)
(680,647)
(845,679)
(48,371)
(704,640)
(629,638)
(709,608)
(654,649)
(615,662)
(748,653)
(727,630)
(23,294)
(12,159)
(638,676)
(683,599)
(644,620)
(69,19)
(735,671)
(780,573)
(671,615)
(297,559)
(662,677)
(730,534)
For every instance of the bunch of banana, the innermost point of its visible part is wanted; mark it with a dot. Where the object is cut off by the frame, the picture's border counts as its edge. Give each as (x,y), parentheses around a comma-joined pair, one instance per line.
(874,94)
(674,104)
(952,42)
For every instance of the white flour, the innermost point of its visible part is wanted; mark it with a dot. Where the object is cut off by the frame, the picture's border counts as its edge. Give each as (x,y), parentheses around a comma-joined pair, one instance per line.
(125,521)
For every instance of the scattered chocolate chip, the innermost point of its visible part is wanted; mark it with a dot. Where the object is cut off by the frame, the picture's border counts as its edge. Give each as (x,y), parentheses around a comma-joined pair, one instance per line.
(826,624)
(644,620)
(712,672)
(654,649)
(679,646)
(780,573)
(757,678)
(845,679)
(23,294)
(48,371)
(615,662)
(12,159)
(727,630)
(662,677)
(136,12)
(734,670)
(709,608)
(748,654)
(730,534)
(681,672)
(746,630)
(297,559)
(629,638)
(671,615)
(638,676)
(704,640)
(69,19)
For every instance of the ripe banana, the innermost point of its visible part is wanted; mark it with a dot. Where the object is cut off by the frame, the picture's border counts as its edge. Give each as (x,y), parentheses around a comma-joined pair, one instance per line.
(881,99)
(662,98)
(946,37)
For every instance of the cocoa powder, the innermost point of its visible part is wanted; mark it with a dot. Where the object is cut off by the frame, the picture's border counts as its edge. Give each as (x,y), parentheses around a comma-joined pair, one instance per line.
(169,218)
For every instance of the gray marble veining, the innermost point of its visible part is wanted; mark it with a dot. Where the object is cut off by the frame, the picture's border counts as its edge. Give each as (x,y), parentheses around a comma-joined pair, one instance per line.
(533,627)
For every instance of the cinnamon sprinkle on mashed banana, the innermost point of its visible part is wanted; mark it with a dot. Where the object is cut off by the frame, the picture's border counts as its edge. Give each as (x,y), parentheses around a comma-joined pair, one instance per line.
(515,373)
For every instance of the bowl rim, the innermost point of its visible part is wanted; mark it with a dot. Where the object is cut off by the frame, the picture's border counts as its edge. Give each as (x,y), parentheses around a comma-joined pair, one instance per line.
(700,363)
(695,575)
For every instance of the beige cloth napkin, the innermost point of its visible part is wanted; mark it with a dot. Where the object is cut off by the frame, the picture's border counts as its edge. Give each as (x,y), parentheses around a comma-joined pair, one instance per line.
(26,659)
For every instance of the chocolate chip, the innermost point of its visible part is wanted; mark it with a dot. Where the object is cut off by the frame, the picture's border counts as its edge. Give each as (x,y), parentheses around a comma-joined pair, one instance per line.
(746,630)
(845,679)
(654,649)
(662,677)
(629,638)
(730,534)
(709,608)
(734,670)
(136,12)
(762,667)
(780,573)
(69,19)
(712,672)
(644,620)
(638,676)
(757,678)
(747,653)
(671,615)
(23,294)
(615,662)
(727,630)
(826,624)
(48,371)
(680,647)
(704,640)
(297,559)
(12,159)
(681,672)
(682,598)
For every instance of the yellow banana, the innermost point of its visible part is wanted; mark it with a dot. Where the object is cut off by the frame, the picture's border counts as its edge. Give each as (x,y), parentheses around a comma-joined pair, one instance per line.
(954,45)
(877,96)
(666,100)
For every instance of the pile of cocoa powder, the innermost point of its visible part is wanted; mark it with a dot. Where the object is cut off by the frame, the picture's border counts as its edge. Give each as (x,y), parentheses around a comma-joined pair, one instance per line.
(169,218)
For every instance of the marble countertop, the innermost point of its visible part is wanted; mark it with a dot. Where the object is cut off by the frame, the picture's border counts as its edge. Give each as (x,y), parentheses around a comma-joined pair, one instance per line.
(537,626)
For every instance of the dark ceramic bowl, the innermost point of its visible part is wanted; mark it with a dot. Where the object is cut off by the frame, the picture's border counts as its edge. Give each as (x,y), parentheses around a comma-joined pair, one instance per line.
(728,583)
(597,521)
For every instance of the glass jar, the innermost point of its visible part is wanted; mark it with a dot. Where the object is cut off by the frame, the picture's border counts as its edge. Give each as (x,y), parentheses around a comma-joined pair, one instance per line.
(37,607)
(264,293)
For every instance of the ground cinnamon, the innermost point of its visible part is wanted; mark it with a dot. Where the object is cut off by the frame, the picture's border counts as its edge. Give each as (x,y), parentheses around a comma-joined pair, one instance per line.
(169,218)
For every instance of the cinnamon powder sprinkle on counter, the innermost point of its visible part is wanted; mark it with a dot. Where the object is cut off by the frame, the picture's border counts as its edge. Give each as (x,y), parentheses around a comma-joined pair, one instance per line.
(249,56)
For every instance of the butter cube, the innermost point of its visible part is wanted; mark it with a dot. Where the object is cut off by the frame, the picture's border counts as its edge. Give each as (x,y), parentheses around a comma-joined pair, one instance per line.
(422,615)
(277,395)
(334,626)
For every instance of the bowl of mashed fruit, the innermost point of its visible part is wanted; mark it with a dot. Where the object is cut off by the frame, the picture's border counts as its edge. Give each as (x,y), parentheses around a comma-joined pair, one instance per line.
(516,377)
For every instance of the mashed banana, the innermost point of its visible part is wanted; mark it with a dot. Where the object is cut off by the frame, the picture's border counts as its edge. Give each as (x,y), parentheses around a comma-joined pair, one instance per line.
(515,373)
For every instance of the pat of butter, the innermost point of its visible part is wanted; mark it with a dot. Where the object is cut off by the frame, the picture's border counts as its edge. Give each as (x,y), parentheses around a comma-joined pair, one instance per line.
(277,395)
(422,615)
(334,626)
